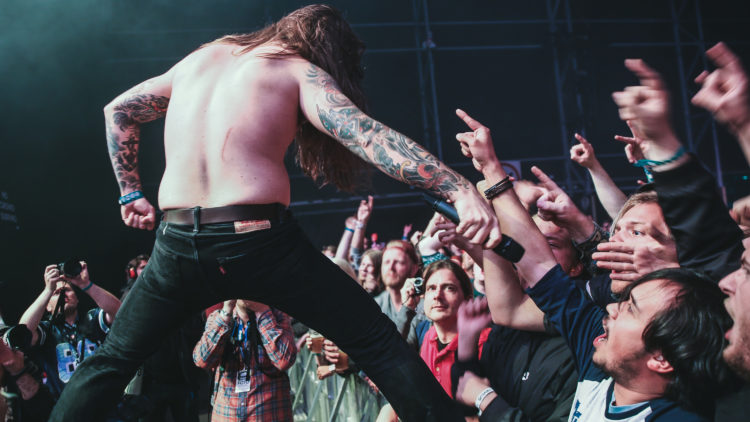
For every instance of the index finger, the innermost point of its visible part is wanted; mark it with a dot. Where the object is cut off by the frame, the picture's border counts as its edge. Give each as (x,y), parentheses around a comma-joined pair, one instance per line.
(544,179)
(648,76)
(581,139)
(614,247)
(473,124)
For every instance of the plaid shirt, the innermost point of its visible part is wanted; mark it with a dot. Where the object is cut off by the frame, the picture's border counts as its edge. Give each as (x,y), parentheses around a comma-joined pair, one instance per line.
(269,395)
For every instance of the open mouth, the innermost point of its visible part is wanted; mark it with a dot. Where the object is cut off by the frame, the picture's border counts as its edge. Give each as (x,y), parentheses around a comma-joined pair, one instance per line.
(602,338)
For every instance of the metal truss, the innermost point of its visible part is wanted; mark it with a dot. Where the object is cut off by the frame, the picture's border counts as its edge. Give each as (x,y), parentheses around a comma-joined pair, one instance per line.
(571,93)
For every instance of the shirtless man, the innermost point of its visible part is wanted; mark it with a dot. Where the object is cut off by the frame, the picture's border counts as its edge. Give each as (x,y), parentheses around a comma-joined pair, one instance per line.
(232,109)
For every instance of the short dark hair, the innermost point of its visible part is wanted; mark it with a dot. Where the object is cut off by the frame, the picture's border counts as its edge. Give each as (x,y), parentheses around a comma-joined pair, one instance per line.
(447,264)
(690,335)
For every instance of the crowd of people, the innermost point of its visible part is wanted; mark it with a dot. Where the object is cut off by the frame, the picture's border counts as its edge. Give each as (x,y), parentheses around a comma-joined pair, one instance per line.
(646,321)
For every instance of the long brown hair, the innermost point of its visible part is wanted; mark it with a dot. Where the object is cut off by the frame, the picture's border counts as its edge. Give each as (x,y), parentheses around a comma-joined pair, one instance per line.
(319,34)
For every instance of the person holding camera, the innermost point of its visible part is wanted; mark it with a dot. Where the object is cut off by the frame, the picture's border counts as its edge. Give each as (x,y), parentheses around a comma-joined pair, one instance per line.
(61,342)
(22,398)
(251,346)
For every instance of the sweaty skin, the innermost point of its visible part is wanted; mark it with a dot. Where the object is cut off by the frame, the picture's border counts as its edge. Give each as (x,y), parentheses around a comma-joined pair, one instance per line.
(233,116)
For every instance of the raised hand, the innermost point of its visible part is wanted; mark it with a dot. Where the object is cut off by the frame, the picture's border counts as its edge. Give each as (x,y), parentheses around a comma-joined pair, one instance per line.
(406,231)
(476,145)
(474,316)
(408,296)
(724,92)
(365,210)
(478,219)
(556,206)
(139,214)
(647,107)
(81,280)
(633,150)
(583,153)
(51,277)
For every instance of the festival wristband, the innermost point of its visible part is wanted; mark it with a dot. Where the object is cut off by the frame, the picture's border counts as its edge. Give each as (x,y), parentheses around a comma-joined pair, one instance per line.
(480,398)
(91,283)
(132,196)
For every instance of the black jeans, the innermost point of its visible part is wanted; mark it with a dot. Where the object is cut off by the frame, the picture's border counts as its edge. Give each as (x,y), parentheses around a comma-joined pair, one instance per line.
(191,270)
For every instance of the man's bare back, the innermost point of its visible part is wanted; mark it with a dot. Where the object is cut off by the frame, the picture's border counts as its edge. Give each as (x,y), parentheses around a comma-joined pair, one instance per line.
(231,119)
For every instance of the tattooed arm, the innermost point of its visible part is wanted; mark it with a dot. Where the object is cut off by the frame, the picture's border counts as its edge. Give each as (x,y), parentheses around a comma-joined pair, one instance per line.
(329,110)
(143,103)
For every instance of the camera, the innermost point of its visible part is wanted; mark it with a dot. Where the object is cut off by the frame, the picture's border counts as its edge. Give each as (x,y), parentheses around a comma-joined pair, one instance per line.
(418,286)
(70,268)
(17,337)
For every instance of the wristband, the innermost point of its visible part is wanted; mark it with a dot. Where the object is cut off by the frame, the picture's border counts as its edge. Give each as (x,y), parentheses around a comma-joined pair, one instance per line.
(498,188)
(224,313)
(653,163)
(91,283)
(348,229)
(132,196)
(360,225)
(480,398)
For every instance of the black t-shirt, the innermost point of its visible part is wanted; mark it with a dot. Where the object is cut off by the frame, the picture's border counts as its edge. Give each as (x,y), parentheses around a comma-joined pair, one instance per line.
(533,373)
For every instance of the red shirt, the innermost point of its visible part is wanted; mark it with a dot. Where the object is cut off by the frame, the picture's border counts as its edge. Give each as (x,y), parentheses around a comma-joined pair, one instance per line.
(440,362)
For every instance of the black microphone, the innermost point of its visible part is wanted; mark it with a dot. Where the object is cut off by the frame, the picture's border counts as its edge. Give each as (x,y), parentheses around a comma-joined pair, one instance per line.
(508,248)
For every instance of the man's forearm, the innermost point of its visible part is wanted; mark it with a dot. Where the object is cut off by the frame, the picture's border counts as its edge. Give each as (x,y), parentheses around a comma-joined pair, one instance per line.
(123,118)
(33,315)
(607,191)
(390,151)
(517,223)
(509,304)
(342,250)
(105,300)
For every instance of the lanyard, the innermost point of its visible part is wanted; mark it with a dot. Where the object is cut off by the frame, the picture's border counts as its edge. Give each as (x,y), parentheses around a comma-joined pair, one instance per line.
(241,334)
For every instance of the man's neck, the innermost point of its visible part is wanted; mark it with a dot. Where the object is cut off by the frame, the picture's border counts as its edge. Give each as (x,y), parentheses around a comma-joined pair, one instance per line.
(639,391)
(71,317)
(395,294)
(446,330)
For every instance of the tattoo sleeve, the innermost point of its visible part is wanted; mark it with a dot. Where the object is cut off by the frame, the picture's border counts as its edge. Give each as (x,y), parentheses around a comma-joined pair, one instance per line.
(392,152)
(123,134)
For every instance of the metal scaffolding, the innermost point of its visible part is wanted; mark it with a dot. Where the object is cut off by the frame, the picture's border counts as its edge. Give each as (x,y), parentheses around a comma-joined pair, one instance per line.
(572,96)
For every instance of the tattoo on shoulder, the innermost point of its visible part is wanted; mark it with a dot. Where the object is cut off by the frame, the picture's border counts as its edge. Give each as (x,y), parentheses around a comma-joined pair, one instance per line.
(392,152)
(140,109)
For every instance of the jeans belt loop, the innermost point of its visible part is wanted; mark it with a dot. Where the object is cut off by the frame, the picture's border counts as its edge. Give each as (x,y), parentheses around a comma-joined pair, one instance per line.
(196,219)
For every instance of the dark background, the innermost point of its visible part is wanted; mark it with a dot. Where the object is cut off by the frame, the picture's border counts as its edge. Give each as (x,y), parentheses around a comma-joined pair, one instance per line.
(61,62)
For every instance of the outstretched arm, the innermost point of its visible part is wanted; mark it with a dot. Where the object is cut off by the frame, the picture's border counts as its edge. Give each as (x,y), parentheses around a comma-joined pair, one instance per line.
(331,112)
(607,191)
(123,116)
(513,217)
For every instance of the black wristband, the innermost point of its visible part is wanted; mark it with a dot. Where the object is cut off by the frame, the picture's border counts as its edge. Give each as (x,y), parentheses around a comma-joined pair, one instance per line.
(498,188)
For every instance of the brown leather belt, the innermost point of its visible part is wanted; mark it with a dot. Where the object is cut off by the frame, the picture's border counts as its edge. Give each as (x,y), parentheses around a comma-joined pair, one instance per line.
(230,213)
